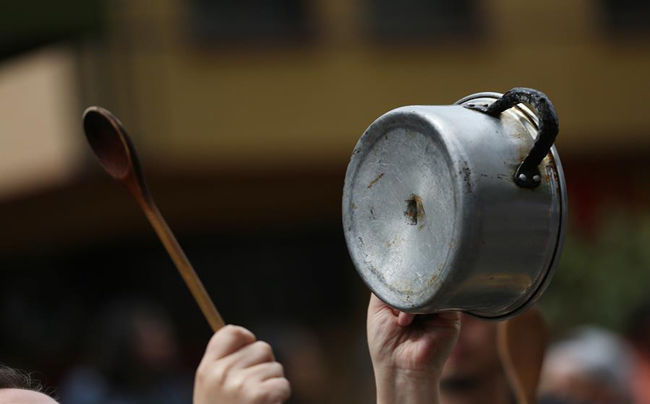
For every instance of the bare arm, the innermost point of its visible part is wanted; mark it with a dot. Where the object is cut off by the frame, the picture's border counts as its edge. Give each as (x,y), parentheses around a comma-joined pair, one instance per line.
(408,353)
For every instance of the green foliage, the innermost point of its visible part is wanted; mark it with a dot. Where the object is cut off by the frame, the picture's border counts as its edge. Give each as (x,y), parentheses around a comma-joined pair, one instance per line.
(601,279)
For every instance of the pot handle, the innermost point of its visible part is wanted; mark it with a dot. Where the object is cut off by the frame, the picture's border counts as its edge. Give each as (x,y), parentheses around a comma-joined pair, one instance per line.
(527,174)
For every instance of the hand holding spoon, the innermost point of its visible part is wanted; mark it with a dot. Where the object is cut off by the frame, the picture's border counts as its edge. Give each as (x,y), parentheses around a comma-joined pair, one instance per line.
(116,154)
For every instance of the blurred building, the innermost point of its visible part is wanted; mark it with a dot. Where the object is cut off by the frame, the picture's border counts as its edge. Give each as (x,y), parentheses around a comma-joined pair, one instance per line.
(245,114)
(284,88)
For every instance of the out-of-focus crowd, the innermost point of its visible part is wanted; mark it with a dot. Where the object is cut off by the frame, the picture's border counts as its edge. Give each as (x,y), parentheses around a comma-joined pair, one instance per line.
(134,358)
(136,361)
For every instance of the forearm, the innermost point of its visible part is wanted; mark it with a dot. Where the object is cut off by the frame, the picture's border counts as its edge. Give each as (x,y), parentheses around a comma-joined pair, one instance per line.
(406,387)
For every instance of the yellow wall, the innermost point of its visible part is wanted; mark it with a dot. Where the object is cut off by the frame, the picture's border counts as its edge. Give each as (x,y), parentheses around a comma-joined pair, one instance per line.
(307,103)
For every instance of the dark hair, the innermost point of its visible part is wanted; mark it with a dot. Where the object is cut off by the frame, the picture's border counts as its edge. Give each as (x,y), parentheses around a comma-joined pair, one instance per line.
(16,379)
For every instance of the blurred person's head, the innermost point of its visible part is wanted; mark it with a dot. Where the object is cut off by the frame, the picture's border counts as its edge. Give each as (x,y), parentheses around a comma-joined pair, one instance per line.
(474,366)
(592,366)
(19,388)
(132,357)
(475,353)
(136,340)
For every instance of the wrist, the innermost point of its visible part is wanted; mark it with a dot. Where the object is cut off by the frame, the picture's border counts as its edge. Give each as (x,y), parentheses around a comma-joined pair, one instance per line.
(407,386)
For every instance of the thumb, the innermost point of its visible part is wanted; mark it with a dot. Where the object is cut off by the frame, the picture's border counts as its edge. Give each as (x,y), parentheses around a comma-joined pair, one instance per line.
(405,319)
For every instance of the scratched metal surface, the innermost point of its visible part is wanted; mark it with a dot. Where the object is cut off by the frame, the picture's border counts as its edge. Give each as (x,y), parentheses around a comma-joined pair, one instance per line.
(433,220)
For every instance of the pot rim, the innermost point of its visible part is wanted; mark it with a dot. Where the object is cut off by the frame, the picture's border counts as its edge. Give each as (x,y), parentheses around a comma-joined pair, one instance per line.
(550,271)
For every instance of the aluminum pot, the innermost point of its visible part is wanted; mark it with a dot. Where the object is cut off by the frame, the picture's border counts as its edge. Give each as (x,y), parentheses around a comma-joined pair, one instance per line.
(458,207)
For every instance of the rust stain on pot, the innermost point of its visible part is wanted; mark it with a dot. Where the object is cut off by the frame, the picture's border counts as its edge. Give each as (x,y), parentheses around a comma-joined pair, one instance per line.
(553,174)
(373,182)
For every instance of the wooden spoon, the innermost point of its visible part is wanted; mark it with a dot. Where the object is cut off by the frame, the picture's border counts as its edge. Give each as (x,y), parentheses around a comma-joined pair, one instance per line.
(521,342)
(116,154)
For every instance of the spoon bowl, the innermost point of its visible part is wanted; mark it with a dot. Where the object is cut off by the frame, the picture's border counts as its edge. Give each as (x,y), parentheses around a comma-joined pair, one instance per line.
(109,141)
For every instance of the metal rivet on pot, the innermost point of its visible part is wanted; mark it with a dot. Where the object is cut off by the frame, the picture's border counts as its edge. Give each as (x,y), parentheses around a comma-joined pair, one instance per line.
(536,178)
(522,177)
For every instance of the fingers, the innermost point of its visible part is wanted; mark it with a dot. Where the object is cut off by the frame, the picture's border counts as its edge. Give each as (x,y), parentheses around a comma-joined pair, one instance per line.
(250,355)
(265,371)
(439,321)
(276,390)
(405,319)
(237,369)
(377,306)
(227,340)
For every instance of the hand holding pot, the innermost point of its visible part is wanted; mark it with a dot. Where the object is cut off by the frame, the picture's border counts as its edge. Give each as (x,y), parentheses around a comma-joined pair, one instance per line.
(237,369)
(408,352)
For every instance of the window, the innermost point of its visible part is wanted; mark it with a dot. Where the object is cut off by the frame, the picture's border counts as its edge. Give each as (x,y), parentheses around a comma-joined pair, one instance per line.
(626,16)
(248,20)
(422,19)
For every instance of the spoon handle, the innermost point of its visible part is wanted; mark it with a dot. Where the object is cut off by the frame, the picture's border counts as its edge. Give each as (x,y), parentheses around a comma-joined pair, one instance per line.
(183,265)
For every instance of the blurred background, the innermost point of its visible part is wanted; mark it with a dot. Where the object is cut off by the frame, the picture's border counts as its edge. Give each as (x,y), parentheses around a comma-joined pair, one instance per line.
(245,114)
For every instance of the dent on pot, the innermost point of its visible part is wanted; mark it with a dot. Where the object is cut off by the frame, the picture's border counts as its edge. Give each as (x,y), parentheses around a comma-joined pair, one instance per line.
(414,212)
